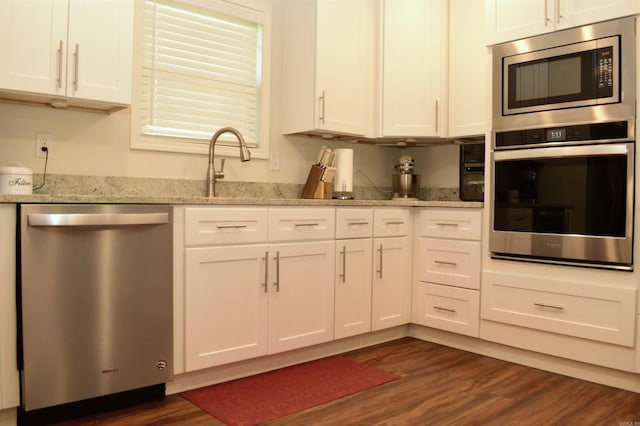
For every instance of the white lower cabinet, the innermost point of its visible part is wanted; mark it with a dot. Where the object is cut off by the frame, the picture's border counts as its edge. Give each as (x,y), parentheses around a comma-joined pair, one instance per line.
(447,266)
(604,313)
(448,308)
(353,287)
(391,290)
(247,300)
(301,294)
(226,304)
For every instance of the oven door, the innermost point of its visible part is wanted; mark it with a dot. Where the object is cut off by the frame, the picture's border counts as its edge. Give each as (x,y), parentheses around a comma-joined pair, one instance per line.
(564,204)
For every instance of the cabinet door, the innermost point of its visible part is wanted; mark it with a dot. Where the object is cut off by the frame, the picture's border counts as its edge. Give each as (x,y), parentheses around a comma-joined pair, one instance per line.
(344,61)
(226,304)
(33,37)
(100,50)
(301,294)
(572,13)
(391,303)
(508,20)
(412,55)
(468,92)
(353,287)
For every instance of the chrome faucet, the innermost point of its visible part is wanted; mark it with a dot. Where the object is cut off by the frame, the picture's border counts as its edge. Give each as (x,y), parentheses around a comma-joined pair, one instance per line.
(212,174)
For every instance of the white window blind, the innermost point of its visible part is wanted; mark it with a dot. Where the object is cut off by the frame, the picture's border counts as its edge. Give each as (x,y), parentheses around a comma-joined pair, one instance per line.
(200,71)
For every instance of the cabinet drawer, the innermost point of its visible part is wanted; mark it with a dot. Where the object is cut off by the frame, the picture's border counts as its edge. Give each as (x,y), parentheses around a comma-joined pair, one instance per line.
(450,262)
(354,223)
(462,224)
(603,313)
(390,222)
(296,224)
(210,225)
(448,308)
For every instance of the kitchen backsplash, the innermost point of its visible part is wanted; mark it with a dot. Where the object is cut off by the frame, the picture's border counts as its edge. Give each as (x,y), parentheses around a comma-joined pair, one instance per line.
(114,185)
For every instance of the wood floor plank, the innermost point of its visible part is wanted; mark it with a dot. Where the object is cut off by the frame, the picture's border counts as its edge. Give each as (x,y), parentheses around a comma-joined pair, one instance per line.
(438,386)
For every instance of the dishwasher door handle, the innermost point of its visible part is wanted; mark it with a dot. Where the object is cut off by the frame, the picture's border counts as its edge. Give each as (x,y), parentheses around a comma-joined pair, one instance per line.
(96,219)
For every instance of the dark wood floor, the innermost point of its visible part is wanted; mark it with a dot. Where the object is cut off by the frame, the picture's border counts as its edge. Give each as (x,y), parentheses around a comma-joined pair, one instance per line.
(438,386)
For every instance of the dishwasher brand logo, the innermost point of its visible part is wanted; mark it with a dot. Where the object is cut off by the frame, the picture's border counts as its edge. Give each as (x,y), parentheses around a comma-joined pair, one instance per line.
(19,182)
(110,370)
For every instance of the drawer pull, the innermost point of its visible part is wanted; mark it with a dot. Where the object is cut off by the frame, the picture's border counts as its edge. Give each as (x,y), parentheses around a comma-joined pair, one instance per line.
(542,305)
(447,224)
(357,223)
(444,262)
(440,308)
(397,222)
(305,224)
(231,226)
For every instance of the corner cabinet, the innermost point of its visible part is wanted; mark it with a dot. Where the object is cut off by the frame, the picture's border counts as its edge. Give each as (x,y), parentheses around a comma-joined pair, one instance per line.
(467,85)
(328,73)
(413,68)
(507,20)
(447,290)
(71,50)
(391,288)
(354,232)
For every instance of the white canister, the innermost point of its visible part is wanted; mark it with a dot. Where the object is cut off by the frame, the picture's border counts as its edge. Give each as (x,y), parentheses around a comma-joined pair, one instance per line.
(15,179)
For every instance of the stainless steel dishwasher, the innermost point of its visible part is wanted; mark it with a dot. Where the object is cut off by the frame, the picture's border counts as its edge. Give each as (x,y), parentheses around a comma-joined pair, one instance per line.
(95,300)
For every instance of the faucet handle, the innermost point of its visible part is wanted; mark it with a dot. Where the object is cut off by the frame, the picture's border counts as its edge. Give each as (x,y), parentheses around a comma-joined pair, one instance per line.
(220,174)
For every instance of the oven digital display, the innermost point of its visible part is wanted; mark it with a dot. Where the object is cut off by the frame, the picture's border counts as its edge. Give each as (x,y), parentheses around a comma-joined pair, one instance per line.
(556,135)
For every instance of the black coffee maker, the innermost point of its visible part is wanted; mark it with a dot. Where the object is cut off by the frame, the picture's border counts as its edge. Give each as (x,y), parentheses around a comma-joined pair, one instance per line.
(472,172)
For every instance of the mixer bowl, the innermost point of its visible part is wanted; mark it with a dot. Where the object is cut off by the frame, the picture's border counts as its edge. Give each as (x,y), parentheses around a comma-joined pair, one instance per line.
(405,185)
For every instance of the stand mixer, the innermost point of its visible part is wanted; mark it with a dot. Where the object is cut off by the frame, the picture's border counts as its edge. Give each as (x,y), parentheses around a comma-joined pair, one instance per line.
(405,183)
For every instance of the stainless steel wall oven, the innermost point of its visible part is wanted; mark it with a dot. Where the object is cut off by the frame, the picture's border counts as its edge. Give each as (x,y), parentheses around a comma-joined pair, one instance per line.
(562,165)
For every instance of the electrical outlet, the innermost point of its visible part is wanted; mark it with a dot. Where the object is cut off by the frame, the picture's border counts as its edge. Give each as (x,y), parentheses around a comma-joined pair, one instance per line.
(44,140)
(275,161)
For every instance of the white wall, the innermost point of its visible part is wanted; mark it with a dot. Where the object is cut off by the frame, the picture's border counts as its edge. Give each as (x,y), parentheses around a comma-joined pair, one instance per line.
(87,143)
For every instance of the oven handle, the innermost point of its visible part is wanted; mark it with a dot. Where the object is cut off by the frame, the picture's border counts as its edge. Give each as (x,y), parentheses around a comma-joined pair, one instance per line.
(97,219)
(564,151)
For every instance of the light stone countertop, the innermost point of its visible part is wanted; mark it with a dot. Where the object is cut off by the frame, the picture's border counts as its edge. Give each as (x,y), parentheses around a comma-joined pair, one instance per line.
(119,190)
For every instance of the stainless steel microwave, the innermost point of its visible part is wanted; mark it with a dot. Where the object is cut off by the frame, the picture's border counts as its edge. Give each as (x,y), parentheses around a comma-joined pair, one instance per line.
(581,74)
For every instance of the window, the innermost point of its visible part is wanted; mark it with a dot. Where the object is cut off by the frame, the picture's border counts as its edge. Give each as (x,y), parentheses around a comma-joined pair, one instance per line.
(203,65)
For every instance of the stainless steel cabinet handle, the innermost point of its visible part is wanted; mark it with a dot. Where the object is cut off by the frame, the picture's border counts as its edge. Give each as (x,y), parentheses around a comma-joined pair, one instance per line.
(446,224)
(277,282)
(436,117)
(379,271)
(266,271)
(443,262)
(305,224)
(395,222)
(440,308)
(357,223)
(231,226)
(344,264)
(76,55)
(60,65)
(322,100)
(543,305)
(96,219)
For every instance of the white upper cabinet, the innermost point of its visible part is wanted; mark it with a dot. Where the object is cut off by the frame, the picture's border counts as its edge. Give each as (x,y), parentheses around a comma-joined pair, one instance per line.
(74,50)
(328,67)
(413,59)
(468,81)
(508,20)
